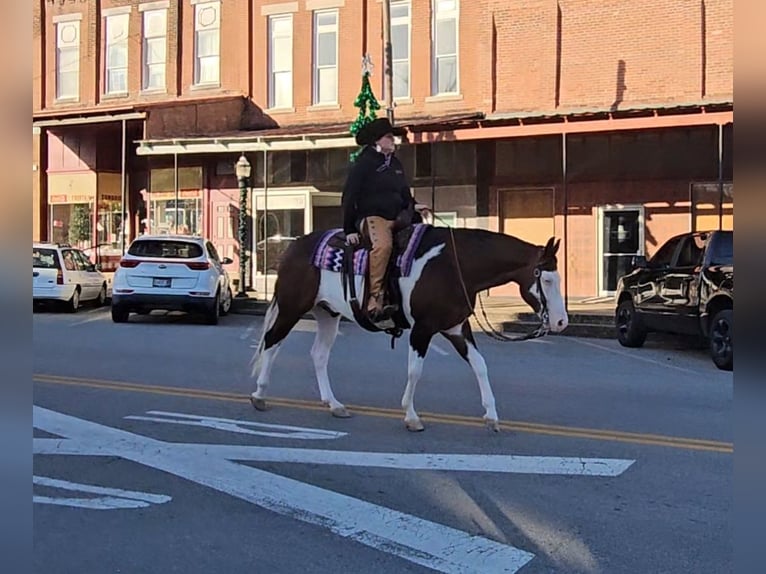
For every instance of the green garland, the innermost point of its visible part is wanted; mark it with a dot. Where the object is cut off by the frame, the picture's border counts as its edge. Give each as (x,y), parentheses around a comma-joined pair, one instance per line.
(367,104)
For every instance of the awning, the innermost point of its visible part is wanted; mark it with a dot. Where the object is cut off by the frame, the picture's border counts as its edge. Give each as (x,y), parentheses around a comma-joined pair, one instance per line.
(87,119)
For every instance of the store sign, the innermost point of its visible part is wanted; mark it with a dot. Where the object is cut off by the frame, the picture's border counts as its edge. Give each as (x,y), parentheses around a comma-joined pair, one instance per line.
(182,194)
(71,188)
(280,202)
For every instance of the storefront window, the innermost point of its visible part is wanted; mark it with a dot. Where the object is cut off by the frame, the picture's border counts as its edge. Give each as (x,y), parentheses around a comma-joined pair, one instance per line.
(282,227)
(109,228)
(166,216)
(73,224)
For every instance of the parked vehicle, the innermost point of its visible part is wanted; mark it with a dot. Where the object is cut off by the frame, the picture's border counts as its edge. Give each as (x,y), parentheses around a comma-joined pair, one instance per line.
(64,275)
(686,288)
(174,273)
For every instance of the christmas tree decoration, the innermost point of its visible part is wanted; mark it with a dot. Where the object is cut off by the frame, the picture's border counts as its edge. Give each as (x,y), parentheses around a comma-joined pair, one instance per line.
(366,102)
(80,225)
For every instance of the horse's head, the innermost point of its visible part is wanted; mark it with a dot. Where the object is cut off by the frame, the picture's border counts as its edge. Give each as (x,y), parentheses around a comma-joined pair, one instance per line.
(541,288)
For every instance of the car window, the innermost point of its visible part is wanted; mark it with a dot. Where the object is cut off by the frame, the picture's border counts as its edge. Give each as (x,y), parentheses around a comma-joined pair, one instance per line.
(84,260)
(70,263)
(722,249)
(691,251)
(165,248)
(213,252)
(664,256)
(45,259)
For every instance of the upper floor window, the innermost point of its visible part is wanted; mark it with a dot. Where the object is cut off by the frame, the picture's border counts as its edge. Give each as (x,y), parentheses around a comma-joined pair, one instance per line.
(207,43)
(154,62)
(445,47)
(326,57)
(68,60)
(281,61)
(400,47)
(117,54)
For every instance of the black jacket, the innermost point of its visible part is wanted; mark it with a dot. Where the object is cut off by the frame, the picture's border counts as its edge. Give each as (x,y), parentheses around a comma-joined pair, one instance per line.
(372,188)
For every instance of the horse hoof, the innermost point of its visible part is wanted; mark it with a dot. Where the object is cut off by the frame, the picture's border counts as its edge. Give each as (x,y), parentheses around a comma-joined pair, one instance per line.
(259,404)
(493,425)
(340,413)
(414,426)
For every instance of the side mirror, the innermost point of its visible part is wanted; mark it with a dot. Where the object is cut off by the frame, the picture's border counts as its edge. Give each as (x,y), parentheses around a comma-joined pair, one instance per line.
(638,262)
(97,267)
(227,261)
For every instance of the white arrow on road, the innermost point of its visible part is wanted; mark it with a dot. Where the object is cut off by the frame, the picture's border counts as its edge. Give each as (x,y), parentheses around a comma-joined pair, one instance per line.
(420,541)
(113,497)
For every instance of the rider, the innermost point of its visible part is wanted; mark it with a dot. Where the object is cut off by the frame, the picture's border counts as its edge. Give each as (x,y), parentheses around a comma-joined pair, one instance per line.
(375,194)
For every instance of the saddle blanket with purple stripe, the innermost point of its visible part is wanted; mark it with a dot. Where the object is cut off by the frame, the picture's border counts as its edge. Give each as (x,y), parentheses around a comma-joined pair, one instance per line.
(330,257)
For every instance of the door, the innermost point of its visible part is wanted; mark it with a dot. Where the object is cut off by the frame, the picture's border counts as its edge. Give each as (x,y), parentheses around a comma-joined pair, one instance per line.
(91,280)
(225,231)
(649,297)
(678,287)
(621,237)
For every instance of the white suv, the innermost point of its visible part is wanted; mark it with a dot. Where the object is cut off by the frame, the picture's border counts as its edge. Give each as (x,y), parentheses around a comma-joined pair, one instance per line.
(174,273)
(63,274)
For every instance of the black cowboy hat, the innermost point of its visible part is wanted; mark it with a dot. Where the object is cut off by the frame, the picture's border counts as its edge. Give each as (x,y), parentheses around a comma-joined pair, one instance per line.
(375,130)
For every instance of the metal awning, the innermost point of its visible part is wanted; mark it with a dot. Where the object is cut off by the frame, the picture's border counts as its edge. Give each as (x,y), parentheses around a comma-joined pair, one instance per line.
(84,120)
(237,144)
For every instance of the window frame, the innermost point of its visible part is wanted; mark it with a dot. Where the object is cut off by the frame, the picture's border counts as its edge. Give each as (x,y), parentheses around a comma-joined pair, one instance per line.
(198,7)
(272,73)
(316,31)
(145,64)
(74,47)
(401,21)
(453,14)
(123,43)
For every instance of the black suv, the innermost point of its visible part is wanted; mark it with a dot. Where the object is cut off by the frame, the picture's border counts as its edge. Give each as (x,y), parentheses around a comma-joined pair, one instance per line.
(686,288)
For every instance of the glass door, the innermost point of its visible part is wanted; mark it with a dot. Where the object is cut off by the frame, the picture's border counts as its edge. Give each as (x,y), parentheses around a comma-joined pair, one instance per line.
(621,236)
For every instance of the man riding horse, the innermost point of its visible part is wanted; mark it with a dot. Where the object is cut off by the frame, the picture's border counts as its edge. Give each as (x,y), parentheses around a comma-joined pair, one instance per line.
(377,199)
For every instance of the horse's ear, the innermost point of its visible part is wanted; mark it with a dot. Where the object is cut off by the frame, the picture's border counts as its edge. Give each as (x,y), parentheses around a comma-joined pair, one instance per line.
(556,246)
(548,246)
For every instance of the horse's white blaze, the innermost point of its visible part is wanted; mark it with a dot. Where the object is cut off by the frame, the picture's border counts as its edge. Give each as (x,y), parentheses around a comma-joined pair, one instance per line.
(557,313)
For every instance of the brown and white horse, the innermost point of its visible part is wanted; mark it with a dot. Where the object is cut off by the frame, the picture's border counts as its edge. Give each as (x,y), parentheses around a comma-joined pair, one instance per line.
(438,295)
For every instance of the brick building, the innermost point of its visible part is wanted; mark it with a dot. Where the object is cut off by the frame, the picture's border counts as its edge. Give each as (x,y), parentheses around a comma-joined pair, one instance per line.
(605,123)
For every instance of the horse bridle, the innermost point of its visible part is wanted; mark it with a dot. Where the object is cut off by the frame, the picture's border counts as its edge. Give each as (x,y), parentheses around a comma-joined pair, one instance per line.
(543,312)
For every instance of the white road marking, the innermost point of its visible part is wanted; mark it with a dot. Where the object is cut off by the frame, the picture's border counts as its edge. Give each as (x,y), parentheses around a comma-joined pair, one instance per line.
(632,356)
(429,544)
(248,332)
(114,497)
(237,426)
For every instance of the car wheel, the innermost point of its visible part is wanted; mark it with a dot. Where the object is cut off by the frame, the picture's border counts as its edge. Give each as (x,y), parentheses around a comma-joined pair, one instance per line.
(74,303)
(101,301)
(226,303)
(120,314)
(630,332)
(211,317)
(722,339)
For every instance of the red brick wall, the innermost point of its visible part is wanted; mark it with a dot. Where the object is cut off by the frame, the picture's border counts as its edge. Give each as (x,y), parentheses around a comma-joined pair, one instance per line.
(719,43)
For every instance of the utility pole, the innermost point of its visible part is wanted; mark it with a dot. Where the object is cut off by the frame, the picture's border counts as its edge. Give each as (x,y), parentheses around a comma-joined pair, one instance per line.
(388,58)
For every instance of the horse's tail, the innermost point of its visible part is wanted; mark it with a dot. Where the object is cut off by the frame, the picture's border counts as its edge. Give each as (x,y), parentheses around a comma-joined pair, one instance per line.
(272,312)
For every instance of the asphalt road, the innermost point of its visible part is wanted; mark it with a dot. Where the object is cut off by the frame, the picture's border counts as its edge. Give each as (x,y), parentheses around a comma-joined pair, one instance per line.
(149,458)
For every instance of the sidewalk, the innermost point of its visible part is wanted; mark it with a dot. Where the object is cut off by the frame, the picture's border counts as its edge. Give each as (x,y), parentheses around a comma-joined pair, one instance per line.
(592,317)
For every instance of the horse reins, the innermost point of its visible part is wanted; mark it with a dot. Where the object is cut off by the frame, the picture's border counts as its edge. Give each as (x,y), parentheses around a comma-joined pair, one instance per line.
(541,329)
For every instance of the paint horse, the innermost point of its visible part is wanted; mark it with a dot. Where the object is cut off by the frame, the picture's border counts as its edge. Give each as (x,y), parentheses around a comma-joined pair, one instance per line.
(438,285)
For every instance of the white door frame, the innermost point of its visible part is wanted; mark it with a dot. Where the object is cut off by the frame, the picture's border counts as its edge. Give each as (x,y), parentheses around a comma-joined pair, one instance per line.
(602,209)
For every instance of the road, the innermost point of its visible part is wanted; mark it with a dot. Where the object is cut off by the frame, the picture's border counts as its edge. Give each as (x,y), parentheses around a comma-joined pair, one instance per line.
(149,458)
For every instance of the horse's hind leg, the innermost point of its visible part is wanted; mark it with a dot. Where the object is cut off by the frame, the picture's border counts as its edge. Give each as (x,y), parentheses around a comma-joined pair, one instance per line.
(327,331)
(420,338)
(462,339)
(277,325)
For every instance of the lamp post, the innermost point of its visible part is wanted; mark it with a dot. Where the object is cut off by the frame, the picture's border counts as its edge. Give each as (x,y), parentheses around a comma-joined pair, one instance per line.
(242,169)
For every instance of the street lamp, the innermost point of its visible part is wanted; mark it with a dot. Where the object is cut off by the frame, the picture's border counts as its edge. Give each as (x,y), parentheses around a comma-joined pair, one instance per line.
(242,169)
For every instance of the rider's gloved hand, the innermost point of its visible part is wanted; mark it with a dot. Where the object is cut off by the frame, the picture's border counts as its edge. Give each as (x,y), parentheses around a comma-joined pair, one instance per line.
(352,238)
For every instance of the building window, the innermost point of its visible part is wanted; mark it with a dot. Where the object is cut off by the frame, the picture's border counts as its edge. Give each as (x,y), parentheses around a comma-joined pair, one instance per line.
(445,47)
(68,60)
(207,43)
(155,49)
(400,48)
(117,54)
(326,57)
(281,61)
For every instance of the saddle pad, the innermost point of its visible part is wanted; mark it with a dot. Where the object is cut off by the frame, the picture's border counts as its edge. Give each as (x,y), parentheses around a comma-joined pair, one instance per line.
(330,257)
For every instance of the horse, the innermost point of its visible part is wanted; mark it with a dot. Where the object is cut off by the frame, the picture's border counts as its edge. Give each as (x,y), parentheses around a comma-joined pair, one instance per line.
(447,269)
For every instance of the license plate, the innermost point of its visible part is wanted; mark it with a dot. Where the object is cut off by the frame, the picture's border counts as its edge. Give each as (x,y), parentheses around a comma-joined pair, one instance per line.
(160,282)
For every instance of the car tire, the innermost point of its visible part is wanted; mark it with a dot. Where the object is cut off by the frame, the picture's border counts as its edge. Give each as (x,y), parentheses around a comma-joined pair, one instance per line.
(630,331)
(722,339)
(74,302)
(120,314)
(101,301)
(226,303)
(211,317)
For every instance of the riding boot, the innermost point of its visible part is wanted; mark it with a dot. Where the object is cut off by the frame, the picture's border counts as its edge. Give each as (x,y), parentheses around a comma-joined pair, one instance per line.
(380,235)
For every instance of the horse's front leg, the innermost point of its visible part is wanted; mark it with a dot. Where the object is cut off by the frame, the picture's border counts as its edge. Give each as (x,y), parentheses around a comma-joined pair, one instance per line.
(419,340)
(462,339)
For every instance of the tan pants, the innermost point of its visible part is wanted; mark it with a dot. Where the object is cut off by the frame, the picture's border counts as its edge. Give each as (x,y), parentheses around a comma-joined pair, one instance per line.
(379,231)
